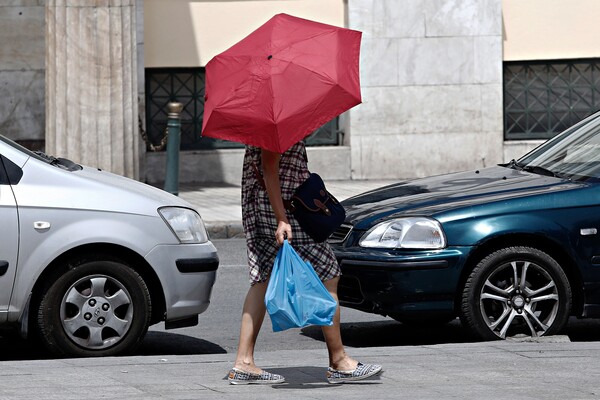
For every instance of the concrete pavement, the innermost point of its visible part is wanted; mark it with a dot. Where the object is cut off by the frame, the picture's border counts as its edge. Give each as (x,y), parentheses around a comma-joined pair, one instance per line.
(550,368)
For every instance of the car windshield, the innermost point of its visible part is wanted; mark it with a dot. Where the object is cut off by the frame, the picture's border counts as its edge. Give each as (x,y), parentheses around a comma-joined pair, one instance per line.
(573,154)
(40,155)
(20,148)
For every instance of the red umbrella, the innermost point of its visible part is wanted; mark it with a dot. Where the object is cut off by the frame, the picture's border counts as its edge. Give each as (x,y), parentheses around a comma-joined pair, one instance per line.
(281,82)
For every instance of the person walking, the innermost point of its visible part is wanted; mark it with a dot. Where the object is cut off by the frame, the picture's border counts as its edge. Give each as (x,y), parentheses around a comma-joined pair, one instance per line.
(268,179)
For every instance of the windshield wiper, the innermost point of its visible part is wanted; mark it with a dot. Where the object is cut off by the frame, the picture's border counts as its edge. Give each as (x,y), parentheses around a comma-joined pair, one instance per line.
(59,162)
(513,164)
(51,159)
(536,169)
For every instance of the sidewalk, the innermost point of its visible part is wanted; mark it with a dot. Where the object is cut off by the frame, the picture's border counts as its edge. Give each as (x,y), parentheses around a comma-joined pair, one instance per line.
(220,205)
(549,368)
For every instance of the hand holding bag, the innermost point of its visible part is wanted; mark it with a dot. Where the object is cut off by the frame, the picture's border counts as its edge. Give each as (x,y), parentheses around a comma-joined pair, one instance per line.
(295,296)
(318,213)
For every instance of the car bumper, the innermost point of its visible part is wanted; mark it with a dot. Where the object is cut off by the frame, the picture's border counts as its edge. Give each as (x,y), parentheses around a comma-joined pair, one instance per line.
(187,273)
(400,282)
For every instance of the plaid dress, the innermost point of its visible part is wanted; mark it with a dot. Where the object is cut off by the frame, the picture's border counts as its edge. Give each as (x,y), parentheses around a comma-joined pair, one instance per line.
(259,220)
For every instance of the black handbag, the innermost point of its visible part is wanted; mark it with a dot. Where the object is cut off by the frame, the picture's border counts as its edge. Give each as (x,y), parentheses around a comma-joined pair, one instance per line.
(318,213)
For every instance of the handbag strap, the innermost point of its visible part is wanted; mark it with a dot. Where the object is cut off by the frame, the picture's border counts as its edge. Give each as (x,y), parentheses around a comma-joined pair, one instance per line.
(258,176)
(287,204)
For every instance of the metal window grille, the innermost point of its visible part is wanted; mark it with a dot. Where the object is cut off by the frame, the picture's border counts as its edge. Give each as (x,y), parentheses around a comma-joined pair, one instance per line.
(543,98)
(186,85)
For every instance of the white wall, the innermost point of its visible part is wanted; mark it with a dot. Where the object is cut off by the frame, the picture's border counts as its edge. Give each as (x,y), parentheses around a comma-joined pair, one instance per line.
(187,33)
(431,76)
(551,29)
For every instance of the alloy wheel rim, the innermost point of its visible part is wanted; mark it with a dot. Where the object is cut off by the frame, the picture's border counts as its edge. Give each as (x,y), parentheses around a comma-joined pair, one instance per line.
(96,312)
(519,297)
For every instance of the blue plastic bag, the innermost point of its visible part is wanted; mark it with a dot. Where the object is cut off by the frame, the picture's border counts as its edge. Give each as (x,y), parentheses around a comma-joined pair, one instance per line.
(295,296)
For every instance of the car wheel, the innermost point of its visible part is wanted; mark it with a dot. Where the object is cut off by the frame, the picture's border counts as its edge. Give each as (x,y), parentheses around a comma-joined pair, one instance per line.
(95,308)
(516,290)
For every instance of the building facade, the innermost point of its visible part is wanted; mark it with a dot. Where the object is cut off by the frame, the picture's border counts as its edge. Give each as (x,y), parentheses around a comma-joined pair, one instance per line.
(447,85)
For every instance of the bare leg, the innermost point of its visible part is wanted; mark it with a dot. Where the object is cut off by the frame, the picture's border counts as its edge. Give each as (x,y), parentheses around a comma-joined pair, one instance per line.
(338,359)
(253,315)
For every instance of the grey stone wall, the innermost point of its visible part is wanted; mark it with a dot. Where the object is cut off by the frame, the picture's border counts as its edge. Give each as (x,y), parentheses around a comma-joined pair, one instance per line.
(431,76)
(22,54)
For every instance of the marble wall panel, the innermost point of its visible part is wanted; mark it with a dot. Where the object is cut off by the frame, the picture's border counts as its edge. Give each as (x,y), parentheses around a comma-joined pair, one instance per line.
(448,93)
(379,62)
(410,156)
(387,18)
(413,109)
(463,17)
(492,117)
(515,149)
(487,48)
(436,61)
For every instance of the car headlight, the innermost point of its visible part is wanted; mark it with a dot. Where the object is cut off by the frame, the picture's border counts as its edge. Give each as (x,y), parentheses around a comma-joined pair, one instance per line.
(406,233)
(186,224)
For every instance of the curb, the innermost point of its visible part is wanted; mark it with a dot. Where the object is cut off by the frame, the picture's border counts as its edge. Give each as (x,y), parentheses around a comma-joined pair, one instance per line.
(225,230)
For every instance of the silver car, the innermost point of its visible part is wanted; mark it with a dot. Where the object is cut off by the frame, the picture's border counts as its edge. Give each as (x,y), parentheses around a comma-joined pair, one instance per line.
(89,259)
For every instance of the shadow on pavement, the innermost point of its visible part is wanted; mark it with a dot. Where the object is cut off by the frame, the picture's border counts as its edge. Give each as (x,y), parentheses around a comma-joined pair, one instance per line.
(14,348)
(392,333)
(311,377)
(166,343)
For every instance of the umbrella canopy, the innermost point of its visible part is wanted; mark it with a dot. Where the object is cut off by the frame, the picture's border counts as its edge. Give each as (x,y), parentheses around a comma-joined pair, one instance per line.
(281,82)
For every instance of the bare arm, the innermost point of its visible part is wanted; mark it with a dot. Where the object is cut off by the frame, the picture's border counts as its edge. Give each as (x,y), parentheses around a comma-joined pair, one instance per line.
(270,166)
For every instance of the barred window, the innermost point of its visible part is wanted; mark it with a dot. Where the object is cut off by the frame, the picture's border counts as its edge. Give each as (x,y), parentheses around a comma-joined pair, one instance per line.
(186,86)
(543,98)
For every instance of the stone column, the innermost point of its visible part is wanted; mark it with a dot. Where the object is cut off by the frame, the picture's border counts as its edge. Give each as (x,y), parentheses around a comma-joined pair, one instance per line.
(91,83)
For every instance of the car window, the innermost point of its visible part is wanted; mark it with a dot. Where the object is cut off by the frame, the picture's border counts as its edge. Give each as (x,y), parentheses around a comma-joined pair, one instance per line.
(3,175)
(21,148)
(62,163)
(10,173)
(574,154)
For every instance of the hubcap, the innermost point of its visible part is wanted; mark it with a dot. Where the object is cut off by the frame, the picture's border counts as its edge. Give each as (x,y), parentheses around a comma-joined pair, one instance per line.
(519,297)
(96,312)
(518,302)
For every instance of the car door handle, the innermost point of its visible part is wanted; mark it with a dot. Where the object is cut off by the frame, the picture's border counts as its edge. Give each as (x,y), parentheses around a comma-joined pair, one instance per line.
(3,267)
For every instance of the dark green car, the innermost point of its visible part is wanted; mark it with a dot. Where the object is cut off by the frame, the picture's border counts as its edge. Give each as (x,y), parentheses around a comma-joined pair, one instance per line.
(510,249)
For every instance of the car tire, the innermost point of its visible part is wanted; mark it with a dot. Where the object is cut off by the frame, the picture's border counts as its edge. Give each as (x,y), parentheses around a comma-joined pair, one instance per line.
(493,307)
(94,308)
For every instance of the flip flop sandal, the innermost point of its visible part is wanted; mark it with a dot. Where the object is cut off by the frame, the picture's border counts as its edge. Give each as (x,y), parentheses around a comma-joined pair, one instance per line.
(239,377)
(362,371)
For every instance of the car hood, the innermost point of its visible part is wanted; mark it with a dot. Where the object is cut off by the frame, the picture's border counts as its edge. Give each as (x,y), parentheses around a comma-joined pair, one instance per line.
(88,189)
(435,195)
